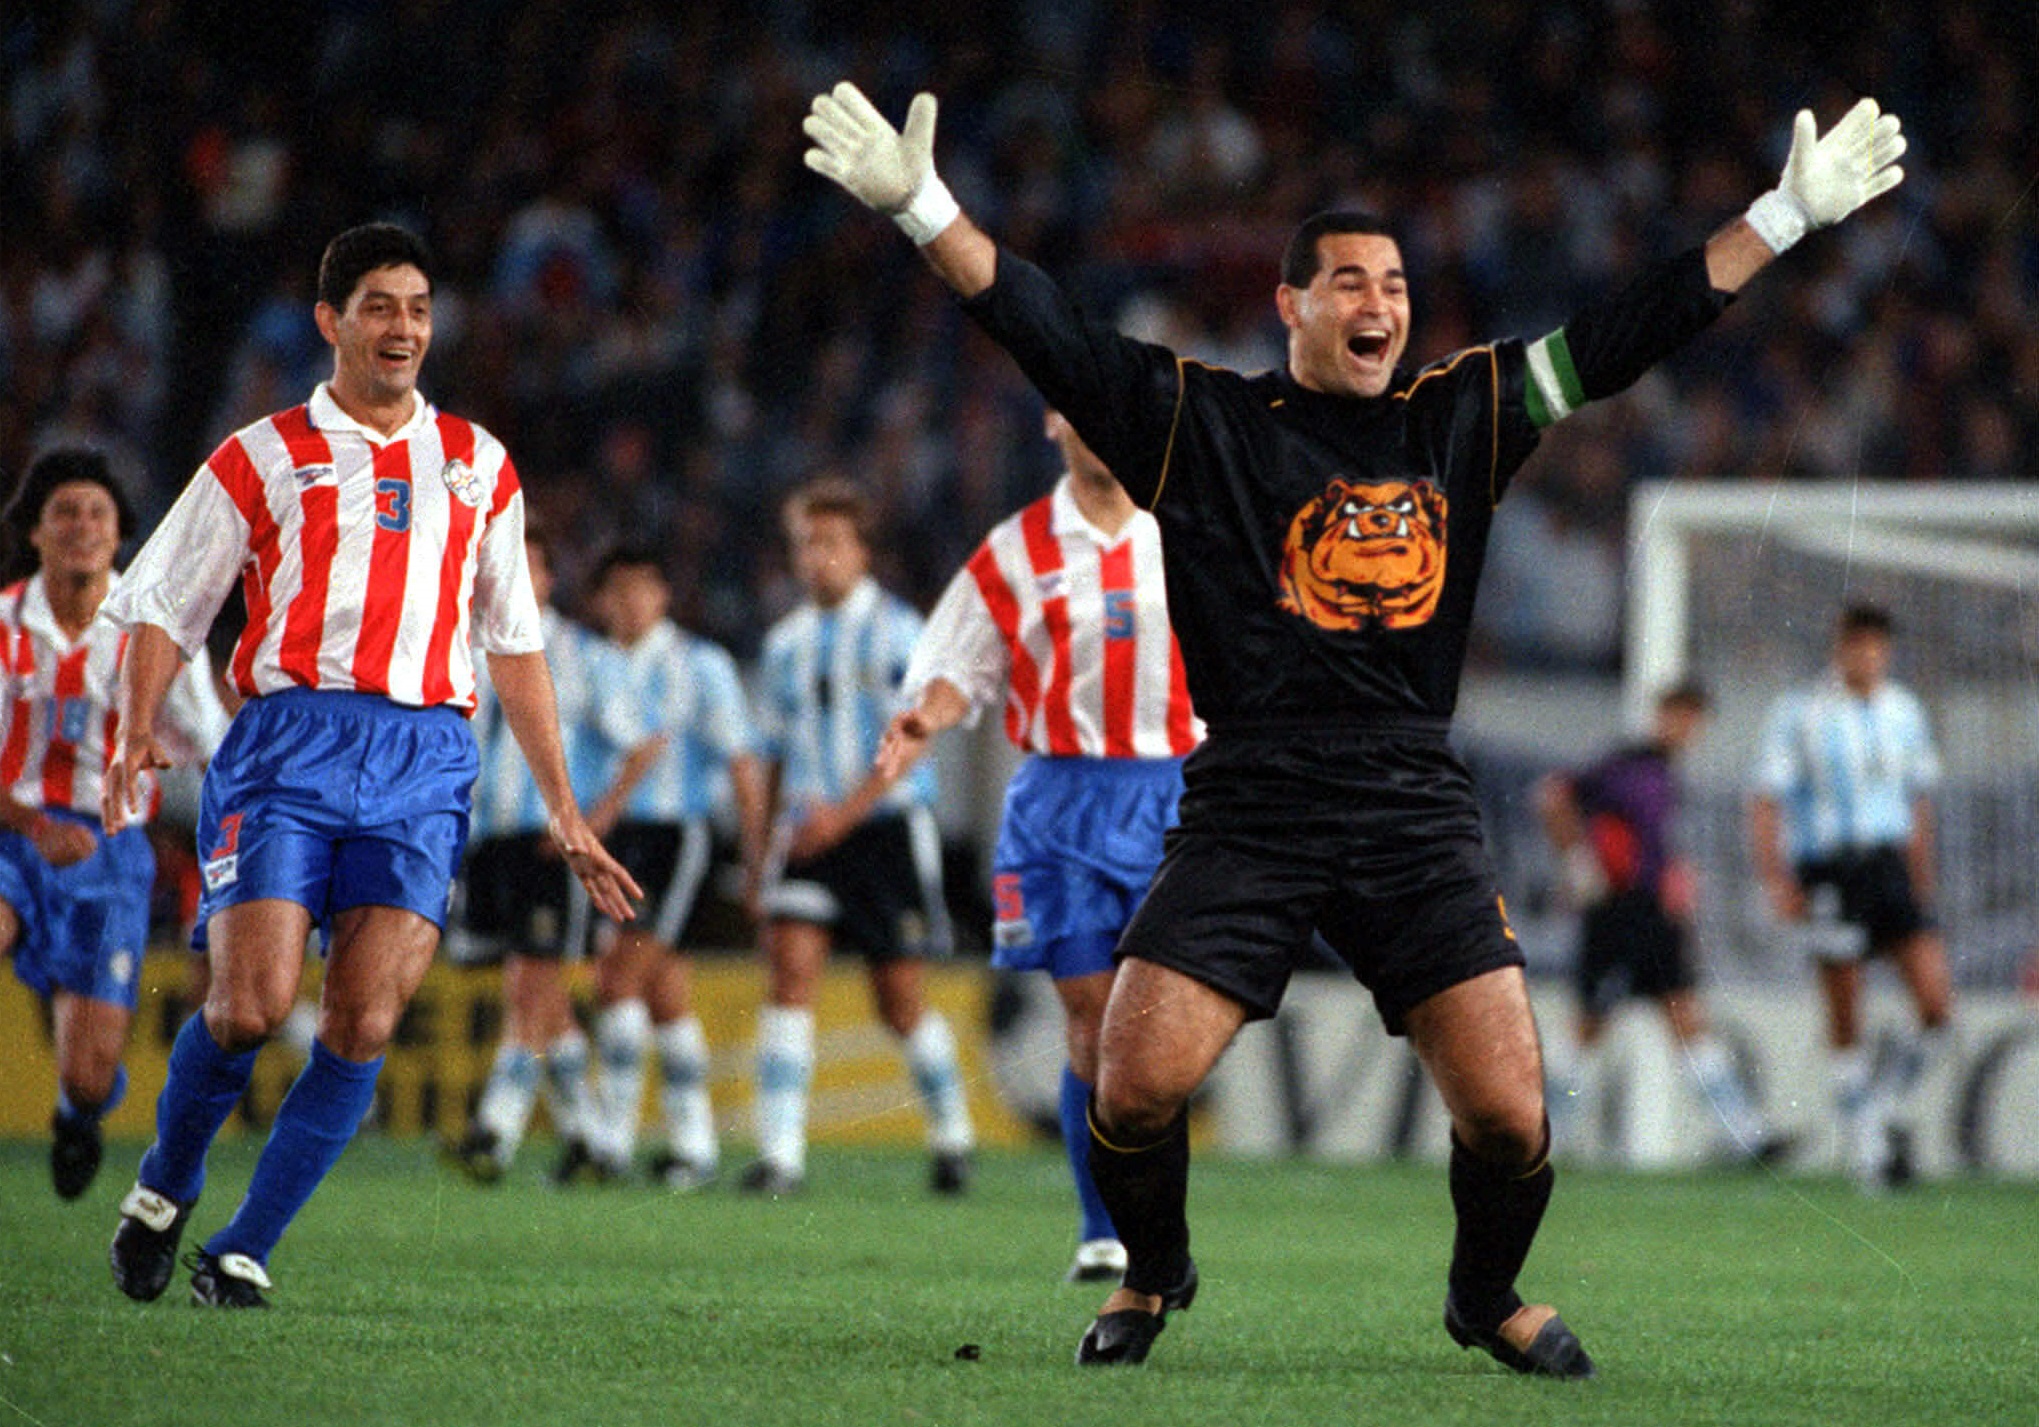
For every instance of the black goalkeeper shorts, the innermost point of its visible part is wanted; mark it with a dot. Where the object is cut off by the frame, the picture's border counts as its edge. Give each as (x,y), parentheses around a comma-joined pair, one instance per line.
(1368,837)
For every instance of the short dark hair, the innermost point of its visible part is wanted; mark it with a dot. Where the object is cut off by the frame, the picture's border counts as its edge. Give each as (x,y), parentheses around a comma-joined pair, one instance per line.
(630,556)
(1864,618)
(360,251)
(834,495)
(1300,260)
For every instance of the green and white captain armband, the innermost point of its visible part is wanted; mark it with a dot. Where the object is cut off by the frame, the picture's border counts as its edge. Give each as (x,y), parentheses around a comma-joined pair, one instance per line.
(929,212)
(1553,391)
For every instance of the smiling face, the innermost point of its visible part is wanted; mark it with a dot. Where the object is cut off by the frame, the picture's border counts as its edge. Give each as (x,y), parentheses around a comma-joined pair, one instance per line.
(379,339)
(78,531)
(1349,326)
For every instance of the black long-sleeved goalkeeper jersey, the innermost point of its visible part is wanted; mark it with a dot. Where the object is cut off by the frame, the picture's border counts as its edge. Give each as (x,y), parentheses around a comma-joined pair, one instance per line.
(1323,552)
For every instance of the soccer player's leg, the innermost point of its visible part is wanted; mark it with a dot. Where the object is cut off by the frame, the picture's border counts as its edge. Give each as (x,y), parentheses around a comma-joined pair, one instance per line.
(1162,1033)
(689,1158)
(796,950)
(623,971)
(898,985)
(378,959)
(91,1035)
(255,955)
(1099,1253)
(1477,1039)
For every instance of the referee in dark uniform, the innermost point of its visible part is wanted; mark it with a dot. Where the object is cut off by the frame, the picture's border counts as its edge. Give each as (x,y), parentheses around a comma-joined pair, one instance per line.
(1323,529)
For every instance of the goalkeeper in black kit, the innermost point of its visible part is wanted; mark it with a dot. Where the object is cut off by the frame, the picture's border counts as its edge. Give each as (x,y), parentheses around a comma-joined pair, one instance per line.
(1323,529)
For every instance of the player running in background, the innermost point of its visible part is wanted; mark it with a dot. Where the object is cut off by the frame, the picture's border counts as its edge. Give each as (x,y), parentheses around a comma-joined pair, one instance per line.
(1842,827)
(74,898)
(856,858)
(372,534)
(1323,528)
(1060,615)
(1612,825)
(519,893)
(668,736)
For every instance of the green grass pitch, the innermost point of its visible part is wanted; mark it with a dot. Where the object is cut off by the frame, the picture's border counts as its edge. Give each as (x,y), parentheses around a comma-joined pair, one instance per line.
(405,1295)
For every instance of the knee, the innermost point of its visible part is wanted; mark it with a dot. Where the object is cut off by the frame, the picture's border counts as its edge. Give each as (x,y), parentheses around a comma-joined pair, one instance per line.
(359,1033)
(1513,1135)
(1083,1050)
(87,1076)
(1135,1105)
(239,1024)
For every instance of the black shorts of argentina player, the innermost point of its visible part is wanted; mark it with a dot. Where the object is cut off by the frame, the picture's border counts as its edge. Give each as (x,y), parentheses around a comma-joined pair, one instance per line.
(1323,529)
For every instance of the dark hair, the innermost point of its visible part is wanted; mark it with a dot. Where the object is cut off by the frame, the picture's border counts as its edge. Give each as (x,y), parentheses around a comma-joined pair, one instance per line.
(834,495)
(628,557)
(360,251)
(56,467)
(1865,619)
(1299,261)
(1686,694)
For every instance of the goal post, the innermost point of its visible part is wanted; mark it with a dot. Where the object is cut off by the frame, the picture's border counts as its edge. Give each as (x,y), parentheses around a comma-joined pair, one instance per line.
(1739,585)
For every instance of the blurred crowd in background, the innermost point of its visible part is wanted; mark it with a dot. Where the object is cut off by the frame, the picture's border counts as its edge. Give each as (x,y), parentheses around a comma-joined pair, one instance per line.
(671,322)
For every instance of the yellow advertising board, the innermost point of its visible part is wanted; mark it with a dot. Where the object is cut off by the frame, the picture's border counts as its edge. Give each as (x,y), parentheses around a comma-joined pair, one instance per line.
(435,1068)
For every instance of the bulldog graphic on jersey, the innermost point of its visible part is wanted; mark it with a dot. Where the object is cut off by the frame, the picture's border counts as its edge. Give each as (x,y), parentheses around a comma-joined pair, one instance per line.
(1363,554)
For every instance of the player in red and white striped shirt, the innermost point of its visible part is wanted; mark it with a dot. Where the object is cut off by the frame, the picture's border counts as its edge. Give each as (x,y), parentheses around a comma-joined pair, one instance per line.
(366,528)
(1061,615)
(74,898)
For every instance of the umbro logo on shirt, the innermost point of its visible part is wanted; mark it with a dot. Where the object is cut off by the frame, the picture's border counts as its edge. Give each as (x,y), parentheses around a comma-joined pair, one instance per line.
(308,476)
(1052,585)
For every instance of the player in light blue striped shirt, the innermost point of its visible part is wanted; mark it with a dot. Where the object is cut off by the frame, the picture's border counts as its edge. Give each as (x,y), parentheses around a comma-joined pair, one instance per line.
(1843,833)
(518,894)
(854,861)
(669,739)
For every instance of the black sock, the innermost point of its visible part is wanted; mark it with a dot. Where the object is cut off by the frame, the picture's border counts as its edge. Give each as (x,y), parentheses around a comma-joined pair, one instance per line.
(1146,1188)
(1498,1212)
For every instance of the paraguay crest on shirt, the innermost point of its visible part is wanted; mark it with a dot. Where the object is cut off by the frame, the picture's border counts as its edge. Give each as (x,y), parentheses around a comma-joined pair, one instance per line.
(462,480)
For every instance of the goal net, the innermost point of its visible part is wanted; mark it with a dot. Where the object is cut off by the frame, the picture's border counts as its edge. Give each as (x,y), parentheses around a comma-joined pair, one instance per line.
(1739,587)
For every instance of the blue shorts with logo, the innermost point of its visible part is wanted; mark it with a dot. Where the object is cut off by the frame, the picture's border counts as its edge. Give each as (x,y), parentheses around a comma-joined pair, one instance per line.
(333,801)
(1077,846)
(84,927)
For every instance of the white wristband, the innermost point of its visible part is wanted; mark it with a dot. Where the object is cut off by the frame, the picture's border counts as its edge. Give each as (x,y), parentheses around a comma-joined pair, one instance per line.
(1779,219)
(931,209)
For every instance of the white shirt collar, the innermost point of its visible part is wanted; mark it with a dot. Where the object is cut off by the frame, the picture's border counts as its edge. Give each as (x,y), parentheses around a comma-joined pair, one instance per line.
(37,615)
(1066,517)
(327,416)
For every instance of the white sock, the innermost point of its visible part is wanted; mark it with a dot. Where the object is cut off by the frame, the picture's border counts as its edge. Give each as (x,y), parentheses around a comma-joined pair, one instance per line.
(785,1069)
(931,1057)
(1916,1060)
(507,1098)
(1854,1104)
(1720,1081)
(622,1032)
(683,1094)
(565,1085)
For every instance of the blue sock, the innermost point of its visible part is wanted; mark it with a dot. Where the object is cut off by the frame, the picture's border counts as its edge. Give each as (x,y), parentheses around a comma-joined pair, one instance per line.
(205,1084)
(317,1118)
(1097,1220)
(71,1110)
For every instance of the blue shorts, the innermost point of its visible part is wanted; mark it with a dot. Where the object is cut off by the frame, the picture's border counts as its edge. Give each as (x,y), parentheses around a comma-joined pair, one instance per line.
(333,801)
(83,927)
(1078,845)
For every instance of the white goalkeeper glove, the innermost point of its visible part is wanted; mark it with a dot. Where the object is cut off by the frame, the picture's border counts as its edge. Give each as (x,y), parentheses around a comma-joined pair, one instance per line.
(883,168)
(1826,179)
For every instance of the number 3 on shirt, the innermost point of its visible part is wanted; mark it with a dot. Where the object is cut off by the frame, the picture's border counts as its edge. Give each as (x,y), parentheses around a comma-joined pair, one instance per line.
(393,504)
